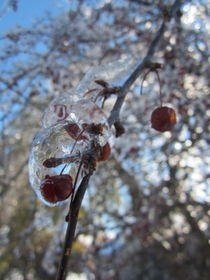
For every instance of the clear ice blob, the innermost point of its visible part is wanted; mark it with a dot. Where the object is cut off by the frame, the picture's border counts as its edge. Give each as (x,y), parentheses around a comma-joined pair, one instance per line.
(69,108)
(53,142)
(88,114)
(77,105)
(114,73)
(70,123)
(59,109)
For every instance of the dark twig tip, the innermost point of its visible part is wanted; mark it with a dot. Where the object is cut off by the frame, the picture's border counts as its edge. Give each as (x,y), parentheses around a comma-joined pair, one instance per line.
(102,83)
(119,128)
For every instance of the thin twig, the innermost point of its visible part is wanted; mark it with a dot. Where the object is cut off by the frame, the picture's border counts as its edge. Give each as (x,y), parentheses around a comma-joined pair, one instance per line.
(143,79)
(115,113)
(70,232)
(74,188)
(160,91)
(159,81)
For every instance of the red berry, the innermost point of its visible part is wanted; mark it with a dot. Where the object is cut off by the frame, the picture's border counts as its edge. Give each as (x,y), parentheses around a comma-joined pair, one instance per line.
(61,111)
(74,131)
(163,119)
(56,188)
(105,152)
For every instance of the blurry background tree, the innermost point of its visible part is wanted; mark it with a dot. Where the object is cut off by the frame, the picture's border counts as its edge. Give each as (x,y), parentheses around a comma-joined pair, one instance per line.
(146,213)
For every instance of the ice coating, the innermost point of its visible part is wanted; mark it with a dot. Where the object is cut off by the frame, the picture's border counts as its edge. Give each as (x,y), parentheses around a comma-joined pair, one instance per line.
(59,109)
(59,142)
(71,121)
(78,105)
(86,112)
(114,73)
(69,108)
(52,142)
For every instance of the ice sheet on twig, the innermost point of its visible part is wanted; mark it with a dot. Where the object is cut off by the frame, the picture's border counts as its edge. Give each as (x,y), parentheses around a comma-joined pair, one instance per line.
(114,73)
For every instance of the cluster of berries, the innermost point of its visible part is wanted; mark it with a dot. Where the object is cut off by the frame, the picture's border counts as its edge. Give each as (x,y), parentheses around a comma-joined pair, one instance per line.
(60,187)
(73,139)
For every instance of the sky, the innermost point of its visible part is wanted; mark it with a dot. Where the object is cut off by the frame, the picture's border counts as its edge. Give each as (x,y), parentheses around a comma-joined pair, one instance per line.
(27,11)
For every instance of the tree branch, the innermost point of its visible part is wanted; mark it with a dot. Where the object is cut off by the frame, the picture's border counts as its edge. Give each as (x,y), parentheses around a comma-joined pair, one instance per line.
(115,113)
(145,3)
(113,118)
(70,232)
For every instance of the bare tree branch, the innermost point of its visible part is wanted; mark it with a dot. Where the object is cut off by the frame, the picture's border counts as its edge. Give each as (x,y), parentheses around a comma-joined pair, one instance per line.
(115,113)
(70,232)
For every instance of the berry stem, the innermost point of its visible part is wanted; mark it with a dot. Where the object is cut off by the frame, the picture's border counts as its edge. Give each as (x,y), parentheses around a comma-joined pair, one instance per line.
(144,78)
(80,134)
(63,169)
(158,77)
(74,187)
(159,81)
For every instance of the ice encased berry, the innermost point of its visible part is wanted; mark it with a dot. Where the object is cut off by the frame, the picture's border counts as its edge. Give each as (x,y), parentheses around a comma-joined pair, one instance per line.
(59,109)
(72,109)
(51,142)
(56,188)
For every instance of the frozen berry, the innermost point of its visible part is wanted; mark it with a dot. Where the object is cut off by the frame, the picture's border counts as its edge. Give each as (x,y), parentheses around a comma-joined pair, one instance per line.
(74,131)
(163,119)
(56,188)
(105,152)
